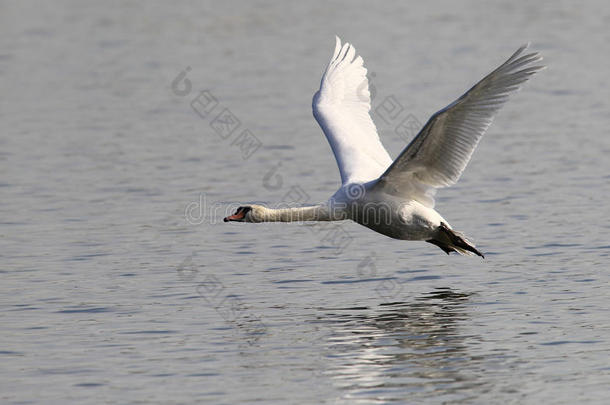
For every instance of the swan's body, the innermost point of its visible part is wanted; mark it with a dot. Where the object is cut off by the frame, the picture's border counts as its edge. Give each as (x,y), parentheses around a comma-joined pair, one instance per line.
(396,198)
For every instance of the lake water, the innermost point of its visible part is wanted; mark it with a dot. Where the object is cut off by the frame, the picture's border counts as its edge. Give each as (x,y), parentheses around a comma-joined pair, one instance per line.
(121,284)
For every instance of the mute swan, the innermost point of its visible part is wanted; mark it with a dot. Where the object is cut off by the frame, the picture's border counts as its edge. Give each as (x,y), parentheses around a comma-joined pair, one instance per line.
(396,198)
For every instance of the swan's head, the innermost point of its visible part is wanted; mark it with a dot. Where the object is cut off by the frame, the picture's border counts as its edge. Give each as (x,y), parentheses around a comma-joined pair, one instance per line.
(247,213)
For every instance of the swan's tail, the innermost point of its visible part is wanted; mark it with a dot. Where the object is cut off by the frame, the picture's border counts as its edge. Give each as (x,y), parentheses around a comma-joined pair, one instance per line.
(452,241)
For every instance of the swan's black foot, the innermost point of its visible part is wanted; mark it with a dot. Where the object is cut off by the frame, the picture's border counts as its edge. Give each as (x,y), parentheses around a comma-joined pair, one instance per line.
(451,241)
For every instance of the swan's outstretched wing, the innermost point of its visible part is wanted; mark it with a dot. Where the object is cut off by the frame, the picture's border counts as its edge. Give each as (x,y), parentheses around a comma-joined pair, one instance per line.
(438,155)
(341,107)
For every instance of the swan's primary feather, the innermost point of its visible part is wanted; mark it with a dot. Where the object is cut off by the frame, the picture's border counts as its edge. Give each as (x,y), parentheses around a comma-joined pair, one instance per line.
(438,155)
(341,107)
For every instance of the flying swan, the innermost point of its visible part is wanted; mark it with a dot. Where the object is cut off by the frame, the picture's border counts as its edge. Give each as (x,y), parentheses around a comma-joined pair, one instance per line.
(396,198)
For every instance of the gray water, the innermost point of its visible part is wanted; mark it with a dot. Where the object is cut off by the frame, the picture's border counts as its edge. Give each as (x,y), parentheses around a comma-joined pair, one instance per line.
(121,284)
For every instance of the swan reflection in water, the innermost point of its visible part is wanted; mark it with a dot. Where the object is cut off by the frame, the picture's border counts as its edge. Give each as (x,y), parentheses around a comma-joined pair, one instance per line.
(402,351)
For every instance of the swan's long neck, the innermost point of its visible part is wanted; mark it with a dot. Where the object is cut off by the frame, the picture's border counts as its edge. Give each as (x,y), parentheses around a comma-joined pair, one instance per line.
(297,214)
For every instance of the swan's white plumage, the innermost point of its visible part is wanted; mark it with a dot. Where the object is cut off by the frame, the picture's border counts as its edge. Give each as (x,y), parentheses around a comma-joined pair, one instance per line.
(397,198)
(438,155)
(341,107)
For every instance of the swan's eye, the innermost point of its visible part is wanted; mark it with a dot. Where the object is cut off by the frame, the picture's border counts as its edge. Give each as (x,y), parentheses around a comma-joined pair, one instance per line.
(244,210)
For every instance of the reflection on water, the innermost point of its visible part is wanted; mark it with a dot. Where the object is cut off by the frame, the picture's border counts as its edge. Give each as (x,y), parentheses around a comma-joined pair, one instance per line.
(402,350)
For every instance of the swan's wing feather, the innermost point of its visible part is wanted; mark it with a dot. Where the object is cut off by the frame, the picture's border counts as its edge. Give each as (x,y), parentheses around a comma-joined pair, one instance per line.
(439,153)
(341,107)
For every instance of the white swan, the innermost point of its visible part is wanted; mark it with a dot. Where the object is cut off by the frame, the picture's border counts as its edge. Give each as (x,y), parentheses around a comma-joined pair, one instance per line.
(396,198)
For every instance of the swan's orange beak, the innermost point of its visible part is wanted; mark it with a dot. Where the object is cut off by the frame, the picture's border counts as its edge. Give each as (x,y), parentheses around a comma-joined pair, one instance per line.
(239,215)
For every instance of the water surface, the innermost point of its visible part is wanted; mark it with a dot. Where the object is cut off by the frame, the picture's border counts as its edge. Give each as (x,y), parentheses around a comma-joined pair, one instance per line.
(121,284)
